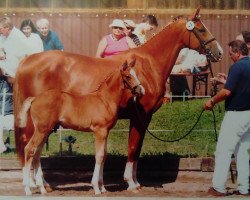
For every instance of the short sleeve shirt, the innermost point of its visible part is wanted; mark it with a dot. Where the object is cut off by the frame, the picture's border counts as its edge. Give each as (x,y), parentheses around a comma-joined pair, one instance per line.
(238,82)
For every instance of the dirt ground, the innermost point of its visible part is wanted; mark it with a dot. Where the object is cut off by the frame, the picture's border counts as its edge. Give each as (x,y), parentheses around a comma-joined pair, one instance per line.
(77,183)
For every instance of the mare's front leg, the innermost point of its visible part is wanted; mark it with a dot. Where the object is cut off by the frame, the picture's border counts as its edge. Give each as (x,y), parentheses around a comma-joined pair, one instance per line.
(100,157)
(137,132)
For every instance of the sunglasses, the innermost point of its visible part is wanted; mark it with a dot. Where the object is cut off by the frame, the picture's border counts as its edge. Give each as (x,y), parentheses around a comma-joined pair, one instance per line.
(116,27)
(130,28)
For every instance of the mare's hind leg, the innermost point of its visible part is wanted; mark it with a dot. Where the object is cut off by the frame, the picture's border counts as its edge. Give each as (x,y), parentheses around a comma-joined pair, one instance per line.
(137,132)
(100,157)
(30,151)
(38,173)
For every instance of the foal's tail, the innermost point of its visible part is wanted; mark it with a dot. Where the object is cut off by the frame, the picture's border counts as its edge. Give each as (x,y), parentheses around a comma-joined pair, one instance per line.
(22,115)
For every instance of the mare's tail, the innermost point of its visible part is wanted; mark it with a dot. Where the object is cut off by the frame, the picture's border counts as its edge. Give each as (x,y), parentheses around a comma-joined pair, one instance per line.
(22,135)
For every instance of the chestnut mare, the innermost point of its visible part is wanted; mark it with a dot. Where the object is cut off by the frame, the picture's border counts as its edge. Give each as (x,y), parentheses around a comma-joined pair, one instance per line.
(81,74)
(95,112)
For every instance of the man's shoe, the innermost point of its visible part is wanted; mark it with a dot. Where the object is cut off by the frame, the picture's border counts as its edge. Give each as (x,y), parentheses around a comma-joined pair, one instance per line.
(215,193)
(238,193)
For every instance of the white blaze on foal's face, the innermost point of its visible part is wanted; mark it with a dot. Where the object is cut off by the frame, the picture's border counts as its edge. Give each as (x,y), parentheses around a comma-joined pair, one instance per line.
(132,73)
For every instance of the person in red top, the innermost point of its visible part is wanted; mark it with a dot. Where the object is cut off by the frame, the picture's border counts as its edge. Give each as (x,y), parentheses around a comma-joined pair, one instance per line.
(116,42)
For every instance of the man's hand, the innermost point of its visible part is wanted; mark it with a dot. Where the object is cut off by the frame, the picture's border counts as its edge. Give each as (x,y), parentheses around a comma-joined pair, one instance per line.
(2,57)
(209,104)
(219,79)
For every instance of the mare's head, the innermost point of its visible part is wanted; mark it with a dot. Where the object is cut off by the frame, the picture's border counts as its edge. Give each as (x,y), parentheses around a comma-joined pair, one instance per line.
(198,37)
(131,80)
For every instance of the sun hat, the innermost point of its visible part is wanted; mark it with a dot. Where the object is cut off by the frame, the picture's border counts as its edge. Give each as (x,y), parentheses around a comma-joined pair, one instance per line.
(118,23)
(129,23)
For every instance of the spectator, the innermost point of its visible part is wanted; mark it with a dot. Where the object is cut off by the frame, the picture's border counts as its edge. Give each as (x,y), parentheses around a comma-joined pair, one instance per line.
(116,42)
(14,44)
(149,22)
(13,48)
(33,39)
(50,39)
(235,127)
(244,36)
(6,110)
(130,27)
(190,61)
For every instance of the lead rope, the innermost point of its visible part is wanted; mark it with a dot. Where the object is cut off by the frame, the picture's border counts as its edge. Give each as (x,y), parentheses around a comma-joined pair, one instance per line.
(185,135)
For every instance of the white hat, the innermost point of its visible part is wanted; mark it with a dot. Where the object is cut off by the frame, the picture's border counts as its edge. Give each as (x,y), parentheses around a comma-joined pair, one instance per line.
(130,23)
(118,23)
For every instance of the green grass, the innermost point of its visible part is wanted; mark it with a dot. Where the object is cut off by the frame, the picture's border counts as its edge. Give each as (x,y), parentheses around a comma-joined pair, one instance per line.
(177,116)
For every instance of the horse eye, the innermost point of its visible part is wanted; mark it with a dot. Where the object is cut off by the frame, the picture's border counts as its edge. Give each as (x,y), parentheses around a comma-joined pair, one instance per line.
(128,77)
(202,30)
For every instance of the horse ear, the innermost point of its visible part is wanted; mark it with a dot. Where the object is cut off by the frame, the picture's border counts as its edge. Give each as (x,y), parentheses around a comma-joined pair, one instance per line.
(195,15)
(132,63)
(125,65)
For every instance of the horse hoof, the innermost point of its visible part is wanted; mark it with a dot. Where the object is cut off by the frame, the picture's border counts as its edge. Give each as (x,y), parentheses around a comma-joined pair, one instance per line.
(138,187)
(28,192)
(48,188)
(98,193)
(43,190)
(103,190)
(134,190)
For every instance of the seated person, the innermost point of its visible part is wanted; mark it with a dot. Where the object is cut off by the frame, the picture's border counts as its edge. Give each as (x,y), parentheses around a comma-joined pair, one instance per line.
(190,61)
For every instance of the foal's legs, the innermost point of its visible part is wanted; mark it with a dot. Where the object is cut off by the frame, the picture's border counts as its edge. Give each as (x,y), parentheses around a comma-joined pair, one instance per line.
(100,157)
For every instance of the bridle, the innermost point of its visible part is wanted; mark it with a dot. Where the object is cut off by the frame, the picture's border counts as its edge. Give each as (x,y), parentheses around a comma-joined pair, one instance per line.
(203,44)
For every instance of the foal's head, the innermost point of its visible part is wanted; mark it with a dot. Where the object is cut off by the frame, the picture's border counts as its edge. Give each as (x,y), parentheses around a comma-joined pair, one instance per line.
(131,80)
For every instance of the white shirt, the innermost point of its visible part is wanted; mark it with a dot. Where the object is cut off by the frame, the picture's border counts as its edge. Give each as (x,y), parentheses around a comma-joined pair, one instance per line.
(16,48)
(35,43)
(188,59)
(139,31)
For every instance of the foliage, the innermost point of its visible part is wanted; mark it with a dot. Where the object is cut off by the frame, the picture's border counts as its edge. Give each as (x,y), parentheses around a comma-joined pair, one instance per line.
(172,121)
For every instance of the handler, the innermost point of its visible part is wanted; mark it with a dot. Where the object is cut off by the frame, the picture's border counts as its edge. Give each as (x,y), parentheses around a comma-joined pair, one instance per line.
(235,128)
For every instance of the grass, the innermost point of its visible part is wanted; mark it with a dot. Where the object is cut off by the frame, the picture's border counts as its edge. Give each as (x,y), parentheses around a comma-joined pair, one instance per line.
(177,116)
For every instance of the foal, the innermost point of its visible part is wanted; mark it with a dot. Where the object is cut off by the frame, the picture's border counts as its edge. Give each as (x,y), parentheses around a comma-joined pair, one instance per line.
(95,112)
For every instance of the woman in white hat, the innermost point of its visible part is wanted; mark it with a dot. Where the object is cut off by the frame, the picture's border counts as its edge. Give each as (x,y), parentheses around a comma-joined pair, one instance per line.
(116,42)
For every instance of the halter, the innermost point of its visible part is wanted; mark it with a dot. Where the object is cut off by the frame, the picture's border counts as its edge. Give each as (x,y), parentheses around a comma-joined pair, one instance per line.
(190,25)
(128,86)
